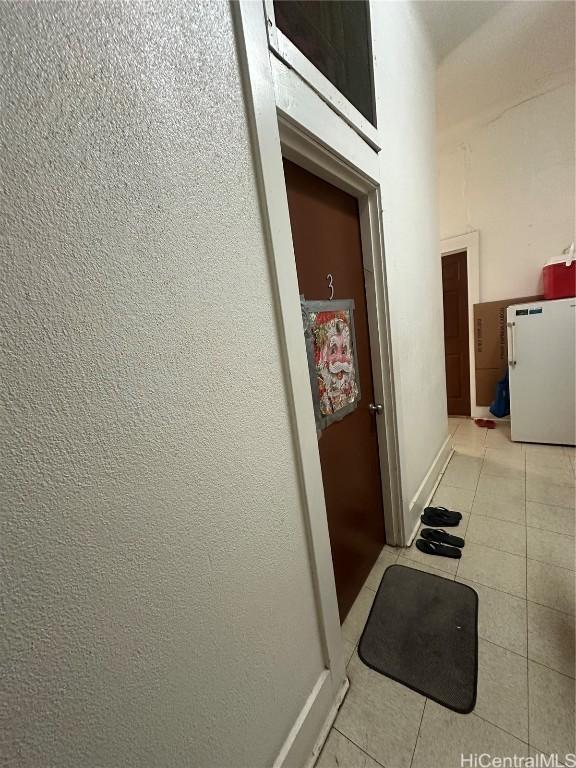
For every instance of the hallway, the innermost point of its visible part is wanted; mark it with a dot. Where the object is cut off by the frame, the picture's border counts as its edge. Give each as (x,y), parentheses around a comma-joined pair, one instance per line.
(201,387)
(517,503)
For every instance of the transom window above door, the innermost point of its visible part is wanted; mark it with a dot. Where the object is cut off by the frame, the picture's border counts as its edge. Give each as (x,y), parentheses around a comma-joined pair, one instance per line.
(335,37)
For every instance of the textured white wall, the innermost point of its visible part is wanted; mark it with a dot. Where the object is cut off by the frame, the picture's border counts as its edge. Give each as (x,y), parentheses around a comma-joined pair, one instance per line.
(405,70)
(505,101)
(522,50)
(158,599)
(512,178)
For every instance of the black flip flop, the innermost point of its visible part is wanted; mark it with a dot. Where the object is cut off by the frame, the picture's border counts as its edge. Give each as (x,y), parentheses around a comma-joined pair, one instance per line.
(439,519)
(441,537)
(431,548)
(444,511)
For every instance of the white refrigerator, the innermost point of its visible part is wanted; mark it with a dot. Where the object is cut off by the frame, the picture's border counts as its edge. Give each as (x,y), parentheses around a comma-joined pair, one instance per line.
(542,371)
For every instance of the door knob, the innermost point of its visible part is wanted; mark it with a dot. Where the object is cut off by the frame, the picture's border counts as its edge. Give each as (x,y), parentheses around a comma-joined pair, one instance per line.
(377,409)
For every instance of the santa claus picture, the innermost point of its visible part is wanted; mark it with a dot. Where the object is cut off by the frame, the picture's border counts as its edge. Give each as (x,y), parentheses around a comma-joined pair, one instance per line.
(334,360)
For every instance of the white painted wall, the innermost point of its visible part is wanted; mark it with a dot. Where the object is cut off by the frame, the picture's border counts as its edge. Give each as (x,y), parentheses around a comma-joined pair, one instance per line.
(512,179)
(518,53)
(158,596)
(405,89)
(506,143)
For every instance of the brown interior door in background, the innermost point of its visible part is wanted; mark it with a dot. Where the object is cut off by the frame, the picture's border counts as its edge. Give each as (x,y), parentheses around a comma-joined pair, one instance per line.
(326,235)
(456,339)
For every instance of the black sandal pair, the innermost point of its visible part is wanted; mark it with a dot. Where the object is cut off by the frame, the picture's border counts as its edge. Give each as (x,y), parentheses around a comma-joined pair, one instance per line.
(440,517)
(439,542)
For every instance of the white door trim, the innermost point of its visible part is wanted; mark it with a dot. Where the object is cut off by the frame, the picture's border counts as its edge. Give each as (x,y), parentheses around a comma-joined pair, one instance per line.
(260,103)
(300,105)
(309,154)
(469,242)
(353,164)
(261,106)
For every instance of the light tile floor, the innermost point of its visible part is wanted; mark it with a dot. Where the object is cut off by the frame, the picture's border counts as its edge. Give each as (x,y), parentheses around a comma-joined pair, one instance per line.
(518,506)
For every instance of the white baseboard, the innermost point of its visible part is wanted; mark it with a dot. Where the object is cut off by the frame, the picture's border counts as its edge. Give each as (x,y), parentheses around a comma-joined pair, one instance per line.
(307,735)
(481,412)
(323,735)
(428,486)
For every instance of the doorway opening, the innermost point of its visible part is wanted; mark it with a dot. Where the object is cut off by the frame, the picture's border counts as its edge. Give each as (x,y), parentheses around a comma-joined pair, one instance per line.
(326,235)
(469,244)
(456,332)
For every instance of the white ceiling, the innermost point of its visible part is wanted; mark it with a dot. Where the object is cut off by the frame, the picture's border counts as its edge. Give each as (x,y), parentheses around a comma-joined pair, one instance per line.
(449,22)
(517,51)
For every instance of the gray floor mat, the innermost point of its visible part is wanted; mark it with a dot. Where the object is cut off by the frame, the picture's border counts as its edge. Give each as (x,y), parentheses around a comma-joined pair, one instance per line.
(423,632)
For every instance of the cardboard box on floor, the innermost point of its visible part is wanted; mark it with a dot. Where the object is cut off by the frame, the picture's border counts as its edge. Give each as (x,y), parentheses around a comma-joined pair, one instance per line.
(491,345)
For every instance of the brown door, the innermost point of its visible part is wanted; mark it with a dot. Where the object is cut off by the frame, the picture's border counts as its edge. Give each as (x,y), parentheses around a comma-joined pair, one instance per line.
(456,352)
(326,235)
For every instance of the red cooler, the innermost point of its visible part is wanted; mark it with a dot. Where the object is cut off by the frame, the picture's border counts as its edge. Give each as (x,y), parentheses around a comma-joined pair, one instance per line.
(560,278)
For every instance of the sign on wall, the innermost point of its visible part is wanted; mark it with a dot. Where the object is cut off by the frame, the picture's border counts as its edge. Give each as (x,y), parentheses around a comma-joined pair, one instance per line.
(332,362)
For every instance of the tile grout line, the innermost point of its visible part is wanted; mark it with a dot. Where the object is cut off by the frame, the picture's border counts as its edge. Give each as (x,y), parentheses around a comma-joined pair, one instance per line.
(551,608)
(548,530)
(497,589)
(502,551)
(472,504)
(546,752)
(504,648)
(527,658)
(539,663)
(419,729)
(513,554)
(474,714)
(519,597)
(357,746)
(545,562)
(499,727)
(532,527)
(543,605)
(439,571)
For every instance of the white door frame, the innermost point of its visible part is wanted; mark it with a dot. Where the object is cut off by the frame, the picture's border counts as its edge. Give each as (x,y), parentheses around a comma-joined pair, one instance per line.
(300,148)
(469,242)
(287,116)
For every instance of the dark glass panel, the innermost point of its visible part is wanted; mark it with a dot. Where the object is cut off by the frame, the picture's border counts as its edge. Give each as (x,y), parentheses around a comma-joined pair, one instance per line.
(335,36)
